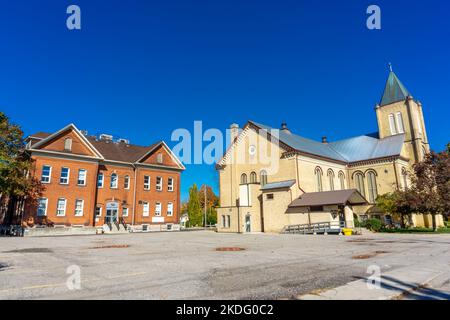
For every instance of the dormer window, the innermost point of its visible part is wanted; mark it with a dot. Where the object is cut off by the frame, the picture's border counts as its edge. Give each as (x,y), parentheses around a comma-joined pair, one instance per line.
(68,144)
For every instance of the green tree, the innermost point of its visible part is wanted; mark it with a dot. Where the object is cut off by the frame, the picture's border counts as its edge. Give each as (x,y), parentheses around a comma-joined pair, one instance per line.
(212,202)
(16,183)
(194,208)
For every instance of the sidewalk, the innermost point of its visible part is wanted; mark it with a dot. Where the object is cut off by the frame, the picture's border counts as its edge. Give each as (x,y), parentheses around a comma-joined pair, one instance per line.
(419,281)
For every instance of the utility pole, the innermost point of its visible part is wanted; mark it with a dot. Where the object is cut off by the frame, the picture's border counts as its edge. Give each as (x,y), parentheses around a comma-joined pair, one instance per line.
(204,209)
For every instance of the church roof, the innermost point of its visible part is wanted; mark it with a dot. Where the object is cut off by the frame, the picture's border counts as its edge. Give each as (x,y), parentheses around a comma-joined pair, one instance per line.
(360,148)
(394,91)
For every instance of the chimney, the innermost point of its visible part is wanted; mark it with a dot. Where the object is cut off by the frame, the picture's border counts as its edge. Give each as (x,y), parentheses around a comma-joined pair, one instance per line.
(324,140)
(284,127)
(234,131)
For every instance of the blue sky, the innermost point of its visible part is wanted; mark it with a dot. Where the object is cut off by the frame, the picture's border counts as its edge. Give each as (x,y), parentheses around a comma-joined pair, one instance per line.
(140,69)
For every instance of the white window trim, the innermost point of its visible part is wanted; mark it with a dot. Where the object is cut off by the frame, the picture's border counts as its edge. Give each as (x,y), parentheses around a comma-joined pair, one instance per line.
(399,122)
(147,185)
(46,206)
(392,124)
(49,174)
(117,181)
(126,182)
(101,209)
(68,176)
(125,209)
(145,213)
(170,186)
(85,177)
(82,208)
(158,214)
(159,186)
(170,205)
(57,207)
(103,180)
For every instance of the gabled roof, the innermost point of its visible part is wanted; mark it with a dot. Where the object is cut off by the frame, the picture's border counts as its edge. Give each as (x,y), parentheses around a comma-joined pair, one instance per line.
(339,197)
(303,144)
(394,91)
(365,147)
(108,150)
(70,126)
(278,185)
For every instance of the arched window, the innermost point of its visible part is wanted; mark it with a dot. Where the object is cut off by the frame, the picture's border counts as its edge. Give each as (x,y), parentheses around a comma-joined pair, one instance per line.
(341,177)
(243,178)
(405,178)
(68,144)
(359,183)
(114,182)
(263,176)
(331,179)
(318,173)
(253,177)
(372,186)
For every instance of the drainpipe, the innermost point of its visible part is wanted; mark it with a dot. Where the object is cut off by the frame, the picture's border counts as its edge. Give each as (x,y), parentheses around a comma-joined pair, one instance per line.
(134,195)
(96,193)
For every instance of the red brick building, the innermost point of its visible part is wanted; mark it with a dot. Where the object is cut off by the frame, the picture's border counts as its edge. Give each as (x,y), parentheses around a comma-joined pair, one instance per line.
(90,181)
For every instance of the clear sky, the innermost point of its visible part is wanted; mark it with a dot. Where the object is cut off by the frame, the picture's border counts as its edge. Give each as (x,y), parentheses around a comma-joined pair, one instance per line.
(140,69)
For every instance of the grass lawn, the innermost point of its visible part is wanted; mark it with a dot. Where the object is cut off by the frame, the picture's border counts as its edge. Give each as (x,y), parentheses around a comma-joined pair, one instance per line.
(416,230)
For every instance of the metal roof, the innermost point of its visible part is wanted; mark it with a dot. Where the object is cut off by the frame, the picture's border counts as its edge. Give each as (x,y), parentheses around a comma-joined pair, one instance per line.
(349,196)
(394,91)
(354,149)
(278,185)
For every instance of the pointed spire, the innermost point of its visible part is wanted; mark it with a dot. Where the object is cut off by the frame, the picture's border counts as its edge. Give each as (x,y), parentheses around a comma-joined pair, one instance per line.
(394,91)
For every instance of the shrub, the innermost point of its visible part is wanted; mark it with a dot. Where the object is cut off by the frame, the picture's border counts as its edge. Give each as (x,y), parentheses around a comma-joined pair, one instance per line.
(374,225)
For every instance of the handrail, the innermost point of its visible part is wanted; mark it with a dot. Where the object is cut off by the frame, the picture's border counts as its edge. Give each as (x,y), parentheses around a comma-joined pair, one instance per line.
(313,227)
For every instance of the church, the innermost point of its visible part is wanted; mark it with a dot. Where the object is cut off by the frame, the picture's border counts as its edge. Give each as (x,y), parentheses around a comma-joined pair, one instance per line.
(321,182)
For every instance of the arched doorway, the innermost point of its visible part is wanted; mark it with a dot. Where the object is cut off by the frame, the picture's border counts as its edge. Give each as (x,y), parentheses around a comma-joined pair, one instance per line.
(248,223)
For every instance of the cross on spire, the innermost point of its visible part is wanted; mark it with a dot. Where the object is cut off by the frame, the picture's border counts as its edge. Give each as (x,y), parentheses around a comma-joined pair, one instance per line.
(390,66)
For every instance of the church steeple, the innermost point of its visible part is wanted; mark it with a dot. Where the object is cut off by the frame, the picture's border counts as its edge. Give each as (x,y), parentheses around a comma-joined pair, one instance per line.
(394,90)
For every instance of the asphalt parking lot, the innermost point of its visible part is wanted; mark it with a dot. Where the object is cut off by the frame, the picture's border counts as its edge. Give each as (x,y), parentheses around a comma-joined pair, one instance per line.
(187,265)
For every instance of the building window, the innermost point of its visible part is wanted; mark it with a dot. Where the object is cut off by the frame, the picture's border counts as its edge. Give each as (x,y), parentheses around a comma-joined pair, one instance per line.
(224,221)
(98,211)
(228,221)
(342,180)
(243,178)
(61,207)
(64,178)
(114,181)
(42,207)
(126,182)
(399,122)
(100,179)
(170,209)
(331,179)
(269,196)
(372,186)
(79,204)
(159,158)
(263,177)
(82,177)
(146,182)
(158,209)
(145,209)
(170,184)
(253,177)
(392,124)
(359,182)
(46,174)
(124,212)
(159,184)
(318,174)
(68,144)
(405,178)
